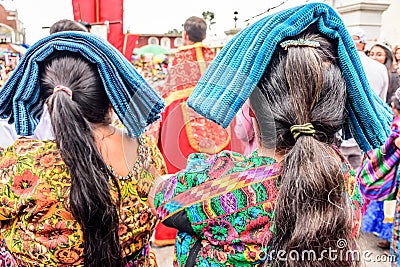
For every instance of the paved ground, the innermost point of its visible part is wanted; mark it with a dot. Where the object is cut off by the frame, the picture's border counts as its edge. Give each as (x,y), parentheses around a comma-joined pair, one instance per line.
(373,256)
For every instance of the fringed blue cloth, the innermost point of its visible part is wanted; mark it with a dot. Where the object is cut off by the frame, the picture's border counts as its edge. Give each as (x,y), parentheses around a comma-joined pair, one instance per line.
(133,99)
(236,70)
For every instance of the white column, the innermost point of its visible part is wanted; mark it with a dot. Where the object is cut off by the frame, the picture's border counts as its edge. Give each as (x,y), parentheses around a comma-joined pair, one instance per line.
(366,14)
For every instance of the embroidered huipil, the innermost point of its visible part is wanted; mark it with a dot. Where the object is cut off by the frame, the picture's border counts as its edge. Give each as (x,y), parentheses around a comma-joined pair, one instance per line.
(223,207)
(37,226)
(379,180)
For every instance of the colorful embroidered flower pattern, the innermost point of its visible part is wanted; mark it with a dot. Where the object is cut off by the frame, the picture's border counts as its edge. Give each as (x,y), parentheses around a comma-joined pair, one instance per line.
(231,228)
(24,184)
(37,224)
(220,232)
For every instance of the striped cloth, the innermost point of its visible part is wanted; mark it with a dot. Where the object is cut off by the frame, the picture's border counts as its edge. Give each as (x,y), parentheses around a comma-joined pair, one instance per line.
(235,72)
(379,177)
(133,99)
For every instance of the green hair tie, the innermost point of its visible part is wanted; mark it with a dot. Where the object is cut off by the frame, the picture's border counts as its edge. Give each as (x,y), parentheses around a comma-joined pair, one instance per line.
(305,129)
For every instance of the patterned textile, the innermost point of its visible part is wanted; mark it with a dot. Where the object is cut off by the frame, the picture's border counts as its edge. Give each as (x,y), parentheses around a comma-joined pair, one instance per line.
(188,64)
(236,70)
(226,204)
(380,180)
(195,133)
(6,258)
(134,101)
(36,223)
(181,130)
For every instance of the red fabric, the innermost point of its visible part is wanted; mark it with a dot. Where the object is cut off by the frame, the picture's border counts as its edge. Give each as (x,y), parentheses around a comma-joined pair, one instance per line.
(113,10)
(129,44)
(84,10)
(176,137)
(109,10)
(195,133)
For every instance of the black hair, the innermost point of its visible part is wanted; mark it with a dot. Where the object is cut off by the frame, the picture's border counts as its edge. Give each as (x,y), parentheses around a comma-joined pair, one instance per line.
(195,28)
(302,85)
(67,25)
(395,101)
(389,57)
(90,200)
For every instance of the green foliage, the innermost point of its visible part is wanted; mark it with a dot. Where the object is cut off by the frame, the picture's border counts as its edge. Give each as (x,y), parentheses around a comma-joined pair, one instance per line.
(209,17)
(174,31)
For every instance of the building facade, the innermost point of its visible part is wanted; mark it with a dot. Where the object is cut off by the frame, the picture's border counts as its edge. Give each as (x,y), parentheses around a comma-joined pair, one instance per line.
(170,41)
(11,28)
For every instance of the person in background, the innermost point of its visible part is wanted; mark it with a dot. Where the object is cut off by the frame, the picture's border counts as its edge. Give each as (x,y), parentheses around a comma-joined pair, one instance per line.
(378,79)
(182,131)
(375,220)
(383,54)
(43,131)
(380,180)
(67,25)
(396,53)
(79,199)
(376,72)
(297,192)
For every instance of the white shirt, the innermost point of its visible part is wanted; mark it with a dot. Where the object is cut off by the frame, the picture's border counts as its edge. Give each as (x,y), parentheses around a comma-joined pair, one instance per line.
(377,75)
(43,130)
(378,79)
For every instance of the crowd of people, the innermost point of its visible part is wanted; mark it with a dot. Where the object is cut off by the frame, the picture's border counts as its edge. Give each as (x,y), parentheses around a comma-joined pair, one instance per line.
(6,69)
(381,68)
(286,141)
(153,69)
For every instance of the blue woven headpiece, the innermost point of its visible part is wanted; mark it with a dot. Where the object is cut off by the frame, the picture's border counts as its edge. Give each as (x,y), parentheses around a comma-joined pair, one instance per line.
(236,70)
(133,99)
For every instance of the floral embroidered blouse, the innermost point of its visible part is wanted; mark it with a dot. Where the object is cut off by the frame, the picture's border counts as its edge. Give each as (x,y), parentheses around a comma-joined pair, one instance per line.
(223,206)
(36,224)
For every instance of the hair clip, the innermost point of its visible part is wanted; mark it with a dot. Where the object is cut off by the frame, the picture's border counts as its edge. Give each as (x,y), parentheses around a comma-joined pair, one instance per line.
(299,42)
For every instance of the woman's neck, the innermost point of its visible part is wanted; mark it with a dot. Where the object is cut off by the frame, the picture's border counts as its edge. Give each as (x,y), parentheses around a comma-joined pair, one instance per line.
(116,147)
(102,131)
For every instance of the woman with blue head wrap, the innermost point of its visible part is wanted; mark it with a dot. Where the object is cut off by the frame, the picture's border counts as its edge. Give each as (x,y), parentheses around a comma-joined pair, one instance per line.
(80,199)
(296,197)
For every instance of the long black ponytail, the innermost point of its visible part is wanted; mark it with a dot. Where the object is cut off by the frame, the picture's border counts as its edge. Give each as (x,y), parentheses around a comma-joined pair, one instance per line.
(305,85)
(90,200)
